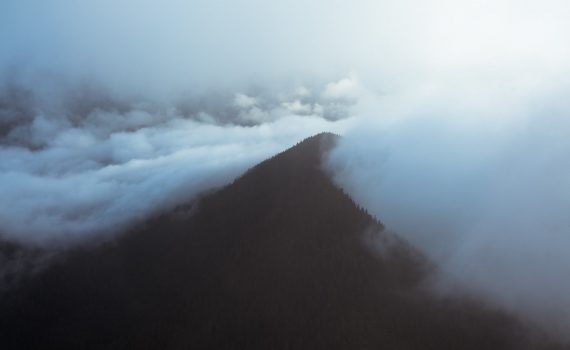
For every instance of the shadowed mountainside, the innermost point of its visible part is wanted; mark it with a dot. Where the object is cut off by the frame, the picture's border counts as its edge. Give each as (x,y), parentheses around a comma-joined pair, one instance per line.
(275,260)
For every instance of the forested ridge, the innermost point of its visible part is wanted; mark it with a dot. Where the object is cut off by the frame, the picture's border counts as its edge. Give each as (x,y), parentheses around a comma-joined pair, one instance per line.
(275,260)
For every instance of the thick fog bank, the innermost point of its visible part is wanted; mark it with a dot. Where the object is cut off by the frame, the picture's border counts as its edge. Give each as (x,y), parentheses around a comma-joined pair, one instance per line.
(485,192)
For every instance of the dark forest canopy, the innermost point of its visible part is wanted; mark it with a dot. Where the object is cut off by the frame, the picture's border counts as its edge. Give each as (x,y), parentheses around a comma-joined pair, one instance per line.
(276,260)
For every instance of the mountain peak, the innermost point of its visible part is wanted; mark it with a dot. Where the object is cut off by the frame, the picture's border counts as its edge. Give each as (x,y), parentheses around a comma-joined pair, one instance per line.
(315,145)
(278,259)
(305,155)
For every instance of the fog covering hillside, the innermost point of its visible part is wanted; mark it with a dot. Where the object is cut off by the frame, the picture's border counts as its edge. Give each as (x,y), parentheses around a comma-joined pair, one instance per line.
(279,259)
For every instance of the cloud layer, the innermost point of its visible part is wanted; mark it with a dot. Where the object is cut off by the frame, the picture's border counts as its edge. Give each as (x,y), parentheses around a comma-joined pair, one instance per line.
(70,172)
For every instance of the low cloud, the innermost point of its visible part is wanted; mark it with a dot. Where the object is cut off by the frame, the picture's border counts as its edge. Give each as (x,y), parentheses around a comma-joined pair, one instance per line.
(485,198)
(70,174)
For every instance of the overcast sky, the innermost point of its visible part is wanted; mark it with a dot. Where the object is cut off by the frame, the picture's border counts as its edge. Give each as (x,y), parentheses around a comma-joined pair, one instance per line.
(187,44)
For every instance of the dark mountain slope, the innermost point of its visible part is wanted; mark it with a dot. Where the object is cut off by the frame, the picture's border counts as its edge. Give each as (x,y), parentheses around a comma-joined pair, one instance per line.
(276,260)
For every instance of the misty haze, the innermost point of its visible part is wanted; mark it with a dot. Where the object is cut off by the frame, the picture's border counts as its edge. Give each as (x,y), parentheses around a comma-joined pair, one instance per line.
(284,175)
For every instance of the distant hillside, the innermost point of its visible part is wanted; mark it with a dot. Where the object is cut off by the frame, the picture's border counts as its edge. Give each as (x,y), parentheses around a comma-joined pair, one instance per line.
(275,260)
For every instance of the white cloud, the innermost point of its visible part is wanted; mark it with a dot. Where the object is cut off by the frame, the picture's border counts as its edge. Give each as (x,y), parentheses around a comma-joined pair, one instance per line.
(244,101)
(92,181)
(297,107)
(346,88)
